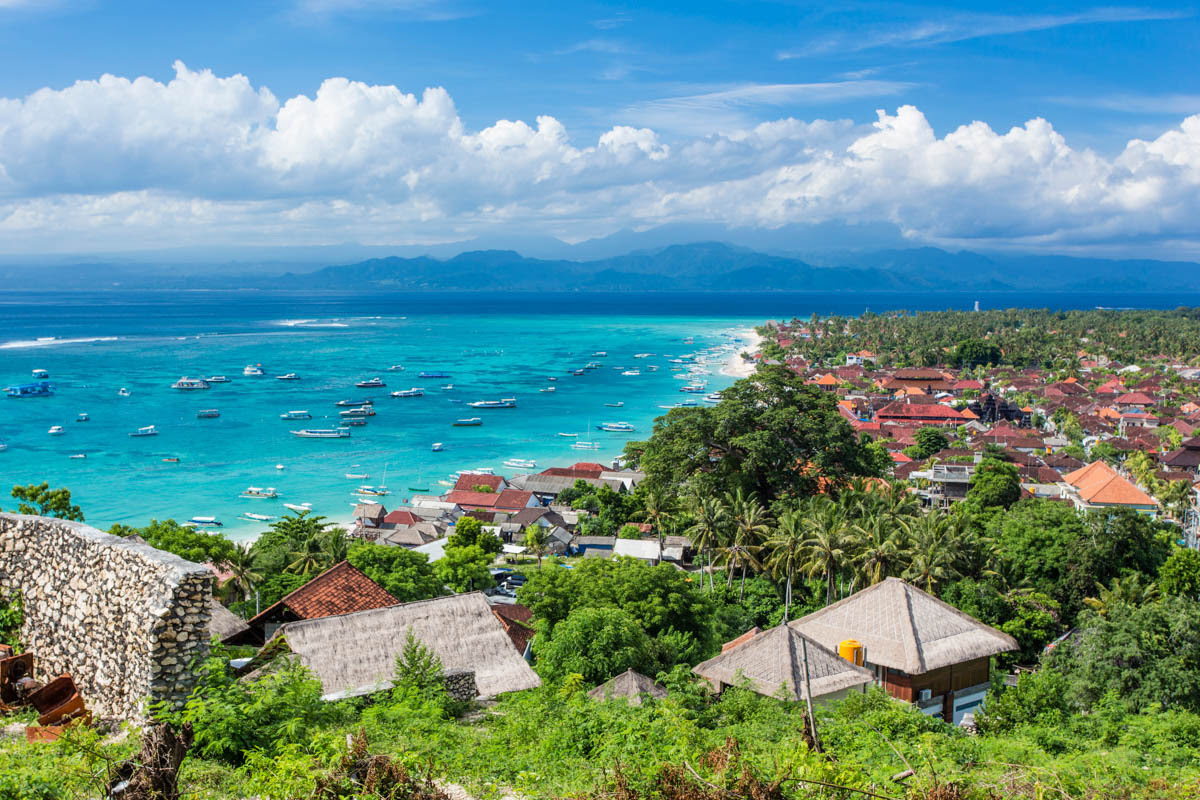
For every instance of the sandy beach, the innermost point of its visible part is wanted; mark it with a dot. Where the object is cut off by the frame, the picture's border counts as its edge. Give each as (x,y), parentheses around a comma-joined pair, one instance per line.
(735,366)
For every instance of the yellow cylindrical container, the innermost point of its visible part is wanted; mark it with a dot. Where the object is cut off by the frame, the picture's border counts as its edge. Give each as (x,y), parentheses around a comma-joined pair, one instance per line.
(852,651)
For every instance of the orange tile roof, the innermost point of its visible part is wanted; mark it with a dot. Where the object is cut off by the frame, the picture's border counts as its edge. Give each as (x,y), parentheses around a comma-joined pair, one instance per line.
(826,380)
(1100,484)
(341,589)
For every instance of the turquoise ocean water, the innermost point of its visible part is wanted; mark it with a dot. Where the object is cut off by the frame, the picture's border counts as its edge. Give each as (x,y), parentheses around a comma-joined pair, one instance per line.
(489,352)
(493,344)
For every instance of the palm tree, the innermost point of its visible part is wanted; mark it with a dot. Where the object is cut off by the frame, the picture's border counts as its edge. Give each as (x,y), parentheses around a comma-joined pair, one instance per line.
(337,546)
(1129,591)
(537,540)
(880,547)
(751,524)
(712,521)
(934,551)
(242,576)
(659,505)
(310,557)
(825,543)
(786,546)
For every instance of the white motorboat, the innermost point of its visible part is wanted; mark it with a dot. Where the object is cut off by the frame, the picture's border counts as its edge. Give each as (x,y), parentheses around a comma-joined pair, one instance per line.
(373,383)
(123,392)
(148,430)
(396,368)
(413,392)
(631,372)
(618,404)
(470,422)
(83,417)
(78,455)
(643,355)
(568,435)
(299,509)
(438,447)
(204,522)
(506,402)
(279,466)
(268,493)
(546,389)
(291,376)
(217,379)
(256,517)
(253,371)
(301,414)
(449,387)
(190,384)
(40,374)
(357,476)
(616,427)
(322,433)
(585,446)
(3,447)
(208,413)
(372,491)
(520,463)
(361,411)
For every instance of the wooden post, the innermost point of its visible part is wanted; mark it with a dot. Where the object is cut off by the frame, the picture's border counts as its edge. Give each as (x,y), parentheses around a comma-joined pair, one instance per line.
(812,720)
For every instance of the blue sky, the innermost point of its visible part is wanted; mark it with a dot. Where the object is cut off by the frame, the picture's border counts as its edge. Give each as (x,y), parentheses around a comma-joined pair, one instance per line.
(751,114)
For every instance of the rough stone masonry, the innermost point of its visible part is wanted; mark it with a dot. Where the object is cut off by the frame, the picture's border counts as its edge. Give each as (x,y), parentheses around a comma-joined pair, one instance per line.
(126,620)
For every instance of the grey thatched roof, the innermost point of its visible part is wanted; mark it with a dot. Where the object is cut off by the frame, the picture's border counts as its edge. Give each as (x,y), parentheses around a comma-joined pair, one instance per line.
(904,628)
(630,685)
(775,659)
(223,623)
(356,653)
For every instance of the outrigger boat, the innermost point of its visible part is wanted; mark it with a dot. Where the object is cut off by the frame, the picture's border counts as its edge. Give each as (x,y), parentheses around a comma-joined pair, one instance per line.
(253,491)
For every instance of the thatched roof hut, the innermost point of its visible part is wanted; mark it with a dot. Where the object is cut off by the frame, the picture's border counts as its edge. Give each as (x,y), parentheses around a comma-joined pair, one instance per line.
(904,628)
(774,660)
(633,686)
(354,654)
(223,623)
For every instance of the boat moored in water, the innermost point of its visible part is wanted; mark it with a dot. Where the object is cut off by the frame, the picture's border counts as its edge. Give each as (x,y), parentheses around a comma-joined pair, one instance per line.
(256,517)
(301,414)
(468,423)
(616,427)
(520,463)
(438,447)
(361,411)
(123,392)
(618,404)
(322,433)
(415,391)
(83,417)
(39,389)
(506,402)
(208,413)
(217,379)
(253,371)
(345,403)
(268,493)
(204,522)
(291,376)
(585,446)
(302,508)
(434,374)
(56,430)
(373,383)
(78,455)
(146,430)
(190,384)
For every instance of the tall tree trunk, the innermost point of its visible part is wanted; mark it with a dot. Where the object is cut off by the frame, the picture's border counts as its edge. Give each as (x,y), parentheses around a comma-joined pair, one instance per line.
(787,594)
(742,588)
(829,586)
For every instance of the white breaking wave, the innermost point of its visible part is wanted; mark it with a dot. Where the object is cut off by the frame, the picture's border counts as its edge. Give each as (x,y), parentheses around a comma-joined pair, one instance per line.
(49,341)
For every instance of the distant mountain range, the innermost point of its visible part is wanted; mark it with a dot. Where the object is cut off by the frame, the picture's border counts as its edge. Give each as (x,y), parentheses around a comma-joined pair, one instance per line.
(699,266)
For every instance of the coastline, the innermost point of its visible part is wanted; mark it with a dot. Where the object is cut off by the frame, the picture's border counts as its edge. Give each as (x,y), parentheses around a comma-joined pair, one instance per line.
(735,366)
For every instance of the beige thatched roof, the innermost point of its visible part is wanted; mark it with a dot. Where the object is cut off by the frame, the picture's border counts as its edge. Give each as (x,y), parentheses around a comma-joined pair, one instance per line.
(223,623)
(904,628)
(354,654)
(775,659)
(630,685)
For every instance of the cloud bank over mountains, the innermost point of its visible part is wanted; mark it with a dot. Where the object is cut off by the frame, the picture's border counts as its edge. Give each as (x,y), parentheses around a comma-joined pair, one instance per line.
(116,163)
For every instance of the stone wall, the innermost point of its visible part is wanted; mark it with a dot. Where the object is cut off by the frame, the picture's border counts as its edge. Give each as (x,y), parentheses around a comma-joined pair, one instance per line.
(460,684)
(126,620)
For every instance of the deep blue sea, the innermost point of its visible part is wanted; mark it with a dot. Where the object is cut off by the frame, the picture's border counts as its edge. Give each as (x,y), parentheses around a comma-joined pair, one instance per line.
(493,344)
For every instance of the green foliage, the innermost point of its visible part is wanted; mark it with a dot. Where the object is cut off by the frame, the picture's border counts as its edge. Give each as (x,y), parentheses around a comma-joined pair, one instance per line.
(230,718)
(1180,575)
(274,550)
(1144,656)
(609,509)
(465,569)
(418,668)
(929,441)
(597,643)
(188,543)
(660,598)
(12,617)
(270,591)
(469,532)
(994,484)
(629,531)
(39,499)
(755,439)
(405,574)
(976,353)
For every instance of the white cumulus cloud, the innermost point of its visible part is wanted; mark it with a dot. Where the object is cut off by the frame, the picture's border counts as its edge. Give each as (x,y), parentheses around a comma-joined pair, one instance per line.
(114,162)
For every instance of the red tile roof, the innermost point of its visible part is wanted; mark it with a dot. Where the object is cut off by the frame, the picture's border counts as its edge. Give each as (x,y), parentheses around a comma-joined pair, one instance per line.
(918,411)
(401,517)
(515,620)
(514,499)
(1135,399)
(341,589)
(469,482)
(463,497)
